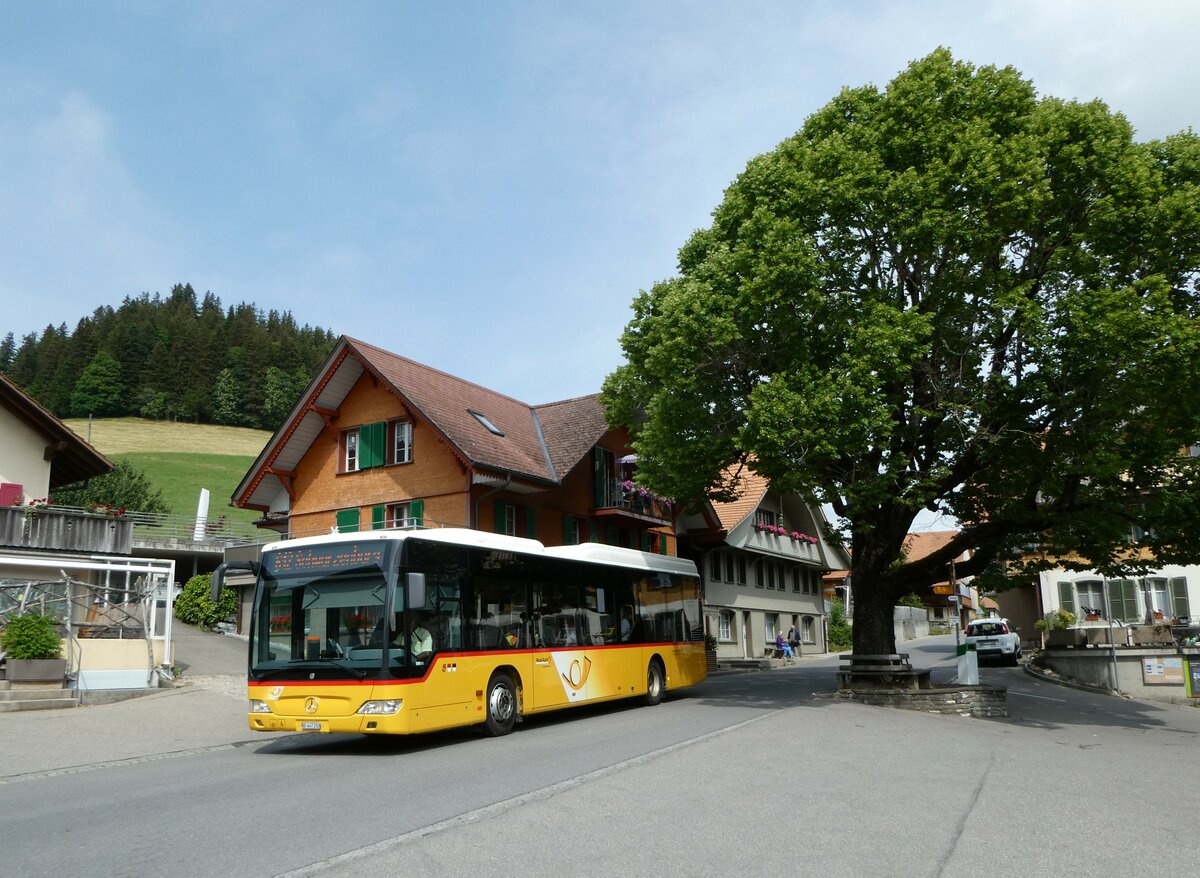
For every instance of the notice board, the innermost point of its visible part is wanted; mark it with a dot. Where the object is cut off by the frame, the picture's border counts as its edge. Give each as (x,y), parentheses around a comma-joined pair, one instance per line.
(1163,670)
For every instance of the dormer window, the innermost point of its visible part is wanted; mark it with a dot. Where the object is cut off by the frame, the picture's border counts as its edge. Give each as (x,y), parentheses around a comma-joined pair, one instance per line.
(487,424)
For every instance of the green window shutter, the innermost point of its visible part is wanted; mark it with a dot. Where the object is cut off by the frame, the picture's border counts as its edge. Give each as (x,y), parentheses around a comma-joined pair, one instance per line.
(593,531)
(1179,597)
(378,517)
(372,439)
(1122,600)
(416,513)
(1129,599)
(612,536)
(570,531)
(662,544)
(645,541)
(531,522)
(347,520)
(1066,596)
(499,515)
(598,473)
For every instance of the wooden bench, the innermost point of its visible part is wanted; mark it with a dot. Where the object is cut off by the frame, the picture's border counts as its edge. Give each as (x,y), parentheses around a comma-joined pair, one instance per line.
(881,671)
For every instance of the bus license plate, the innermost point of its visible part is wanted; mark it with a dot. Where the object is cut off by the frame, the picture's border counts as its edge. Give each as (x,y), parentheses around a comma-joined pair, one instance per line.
(310,726)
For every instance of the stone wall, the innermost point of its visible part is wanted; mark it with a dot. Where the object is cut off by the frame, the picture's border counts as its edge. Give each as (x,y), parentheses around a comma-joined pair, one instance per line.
(1102,667)
(983,702)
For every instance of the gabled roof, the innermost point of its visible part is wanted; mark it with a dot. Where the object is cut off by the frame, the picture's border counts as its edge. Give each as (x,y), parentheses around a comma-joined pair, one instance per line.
(534,446)
(753,489)
(71,458)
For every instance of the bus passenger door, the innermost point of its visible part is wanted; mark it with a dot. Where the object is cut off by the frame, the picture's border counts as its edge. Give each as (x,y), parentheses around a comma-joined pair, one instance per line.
(561,667)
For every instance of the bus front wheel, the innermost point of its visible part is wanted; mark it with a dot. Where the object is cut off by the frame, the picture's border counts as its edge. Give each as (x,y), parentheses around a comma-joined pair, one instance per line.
(655,683)
(501,705)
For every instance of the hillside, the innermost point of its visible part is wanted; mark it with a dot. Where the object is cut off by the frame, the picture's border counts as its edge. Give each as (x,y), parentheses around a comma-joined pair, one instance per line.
(180,459)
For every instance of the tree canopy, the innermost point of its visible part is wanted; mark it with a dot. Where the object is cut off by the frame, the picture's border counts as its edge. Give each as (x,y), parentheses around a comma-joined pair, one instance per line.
(126,487)
(950,294)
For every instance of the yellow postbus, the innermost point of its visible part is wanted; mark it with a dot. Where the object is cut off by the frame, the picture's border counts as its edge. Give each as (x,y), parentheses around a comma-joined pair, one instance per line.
(396,632)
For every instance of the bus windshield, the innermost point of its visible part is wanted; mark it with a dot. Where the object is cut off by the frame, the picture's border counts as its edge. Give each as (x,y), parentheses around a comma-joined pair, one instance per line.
(323,610)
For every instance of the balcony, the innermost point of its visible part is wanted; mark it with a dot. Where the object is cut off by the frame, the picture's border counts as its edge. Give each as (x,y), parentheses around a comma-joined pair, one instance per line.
(631,507)
(65,530)
(781,545)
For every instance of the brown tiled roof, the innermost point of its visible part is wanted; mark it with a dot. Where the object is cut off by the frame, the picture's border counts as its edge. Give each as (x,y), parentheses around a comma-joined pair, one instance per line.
(752,488)
(571,428)
(72,459)
(918,544)
(447,402)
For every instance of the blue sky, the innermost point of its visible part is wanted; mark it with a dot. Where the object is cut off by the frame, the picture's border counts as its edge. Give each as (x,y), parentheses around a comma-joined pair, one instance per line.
(483,187)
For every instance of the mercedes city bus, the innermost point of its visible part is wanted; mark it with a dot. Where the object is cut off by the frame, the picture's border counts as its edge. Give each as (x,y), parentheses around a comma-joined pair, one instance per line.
(396,632)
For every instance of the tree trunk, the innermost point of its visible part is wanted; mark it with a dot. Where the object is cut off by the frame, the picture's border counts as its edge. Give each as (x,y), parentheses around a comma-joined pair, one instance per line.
(873,593)
(874,628)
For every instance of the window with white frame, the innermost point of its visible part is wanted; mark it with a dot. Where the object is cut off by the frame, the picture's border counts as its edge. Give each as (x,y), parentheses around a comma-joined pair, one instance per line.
(510,519)
(1090,595)
(772,620)
(350,451)
(397,515)
(765,517)
(725,628)
(402,450)
(806,629)
(382,443)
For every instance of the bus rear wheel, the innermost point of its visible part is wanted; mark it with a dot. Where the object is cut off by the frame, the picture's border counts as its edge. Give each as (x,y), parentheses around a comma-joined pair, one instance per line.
(501,705)
(655,683)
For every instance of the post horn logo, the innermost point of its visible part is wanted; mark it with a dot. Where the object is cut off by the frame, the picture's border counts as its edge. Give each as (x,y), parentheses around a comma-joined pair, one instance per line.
(310,704)
(578,673)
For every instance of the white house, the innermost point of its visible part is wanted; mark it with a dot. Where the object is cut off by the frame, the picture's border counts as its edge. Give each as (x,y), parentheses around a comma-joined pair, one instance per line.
(761,559)
(74,565)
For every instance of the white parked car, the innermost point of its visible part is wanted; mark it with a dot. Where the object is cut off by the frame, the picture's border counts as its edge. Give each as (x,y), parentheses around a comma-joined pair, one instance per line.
(992,636)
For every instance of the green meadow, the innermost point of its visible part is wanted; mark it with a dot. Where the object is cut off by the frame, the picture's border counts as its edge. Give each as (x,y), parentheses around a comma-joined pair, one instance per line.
(180,459)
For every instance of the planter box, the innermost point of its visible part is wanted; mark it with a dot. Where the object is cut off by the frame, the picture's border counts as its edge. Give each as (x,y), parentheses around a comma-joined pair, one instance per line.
(36,670)
(1066,637)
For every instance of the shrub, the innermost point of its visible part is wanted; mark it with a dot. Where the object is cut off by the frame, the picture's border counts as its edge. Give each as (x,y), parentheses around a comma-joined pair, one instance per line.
(911,600)
(195,604)
(31,636)
(841,634)
(1055,621)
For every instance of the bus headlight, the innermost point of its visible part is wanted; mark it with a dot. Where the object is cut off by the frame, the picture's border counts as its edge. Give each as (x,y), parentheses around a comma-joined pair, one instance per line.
(257,706)
(376,707)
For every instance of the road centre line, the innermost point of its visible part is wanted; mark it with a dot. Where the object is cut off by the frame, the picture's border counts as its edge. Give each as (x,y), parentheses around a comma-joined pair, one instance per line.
(496,809)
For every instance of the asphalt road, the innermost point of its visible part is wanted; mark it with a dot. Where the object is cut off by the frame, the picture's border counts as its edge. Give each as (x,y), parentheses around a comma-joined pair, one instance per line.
(747,773)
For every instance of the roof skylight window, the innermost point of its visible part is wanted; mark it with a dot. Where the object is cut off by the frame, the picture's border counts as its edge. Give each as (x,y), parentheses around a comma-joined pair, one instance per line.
(483,419)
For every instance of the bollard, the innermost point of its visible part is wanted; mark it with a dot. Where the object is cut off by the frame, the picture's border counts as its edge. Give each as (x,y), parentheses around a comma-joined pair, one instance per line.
(968,665)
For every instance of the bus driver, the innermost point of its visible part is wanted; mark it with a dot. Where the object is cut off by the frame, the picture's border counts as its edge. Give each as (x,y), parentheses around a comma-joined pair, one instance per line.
(420,641)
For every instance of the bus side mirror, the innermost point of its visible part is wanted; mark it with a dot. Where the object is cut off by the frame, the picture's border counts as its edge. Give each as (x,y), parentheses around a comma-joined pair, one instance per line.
(218,577)
(416,590)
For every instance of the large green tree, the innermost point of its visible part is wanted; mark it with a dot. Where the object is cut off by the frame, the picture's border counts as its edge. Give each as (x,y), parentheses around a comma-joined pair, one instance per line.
(950,294)
(99,389)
